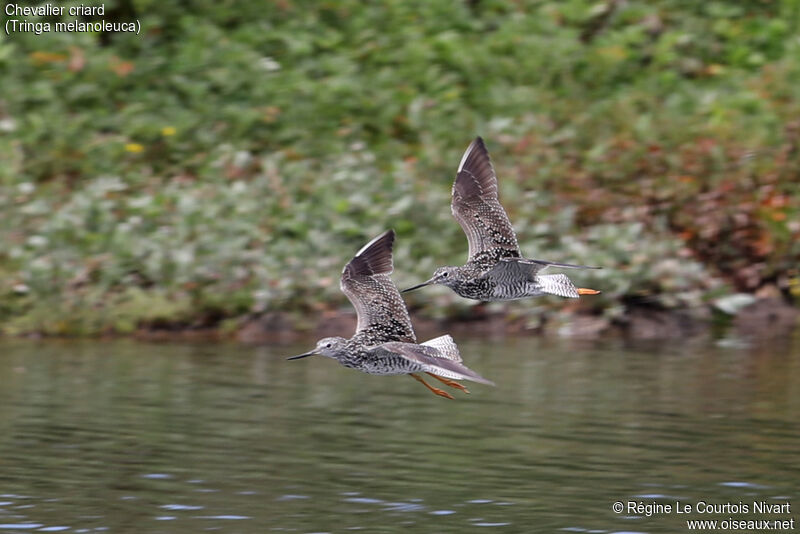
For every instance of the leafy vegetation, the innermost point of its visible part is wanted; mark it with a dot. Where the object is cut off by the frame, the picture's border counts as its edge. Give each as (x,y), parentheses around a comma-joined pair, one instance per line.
(232,157)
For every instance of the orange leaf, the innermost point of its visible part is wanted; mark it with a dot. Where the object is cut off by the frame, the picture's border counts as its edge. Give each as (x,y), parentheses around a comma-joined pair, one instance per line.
(77,60)
(122,68)
(778,216)
(40,58)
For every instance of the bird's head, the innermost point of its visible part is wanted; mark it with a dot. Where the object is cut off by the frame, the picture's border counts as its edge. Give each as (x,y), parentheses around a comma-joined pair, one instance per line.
(332,347)
(447,276)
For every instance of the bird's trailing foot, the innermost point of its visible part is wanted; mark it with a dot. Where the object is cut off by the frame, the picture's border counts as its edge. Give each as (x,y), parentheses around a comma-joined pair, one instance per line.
(586,291)
(435,391)
(451,383)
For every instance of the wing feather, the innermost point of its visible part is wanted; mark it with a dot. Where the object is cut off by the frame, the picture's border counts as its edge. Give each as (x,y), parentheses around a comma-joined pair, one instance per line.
(446,346)
(476,207)
(382,314)
(433,361)
(541,264)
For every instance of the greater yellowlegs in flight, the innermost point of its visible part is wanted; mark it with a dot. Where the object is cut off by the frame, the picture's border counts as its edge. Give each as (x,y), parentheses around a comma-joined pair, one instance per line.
(384,342)
(495,268)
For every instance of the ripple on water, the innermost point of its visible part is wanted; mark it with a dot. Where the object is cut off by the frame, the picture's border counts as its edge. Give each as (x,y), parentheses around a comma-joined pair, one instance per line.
(290,497)
(738,484)
(403,507)
(181,507)
(411,506)
(659,497)
(227,517)
(597,531)
(363,500)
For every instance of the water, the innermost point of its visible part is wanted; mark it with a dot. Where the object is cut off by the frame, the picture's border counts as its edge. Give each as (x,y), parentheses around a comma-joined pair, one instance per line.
(133,437)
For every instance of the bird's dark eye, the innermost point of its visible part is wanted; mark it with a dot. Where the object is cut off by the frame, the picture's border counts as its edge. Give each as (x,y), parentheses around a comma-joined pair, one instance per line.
(445,274)
(327,345)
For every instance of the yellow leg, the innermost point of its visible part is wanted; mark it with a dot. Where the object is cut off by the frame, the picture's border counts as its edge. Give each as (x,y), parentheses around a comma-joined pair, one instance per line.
(436,391)
(448,382)
(585,291)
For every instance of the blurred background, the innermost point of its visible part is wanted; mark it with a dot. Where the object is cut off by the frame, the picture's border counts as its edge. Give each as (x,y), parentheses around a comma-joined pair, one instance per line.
(218,169)
(212,175)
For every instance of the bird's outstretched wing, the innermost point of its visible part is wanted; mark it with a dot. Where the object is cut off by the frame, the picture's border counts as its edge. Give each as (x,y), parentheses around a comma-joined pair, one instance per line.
(476,207)
(438,356)
(382,314)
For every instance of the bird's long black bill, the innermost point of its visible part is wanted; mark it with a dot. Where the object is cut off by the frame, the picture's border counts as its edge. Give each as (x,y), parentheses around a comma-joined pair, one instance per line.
(412,288)
(304,355)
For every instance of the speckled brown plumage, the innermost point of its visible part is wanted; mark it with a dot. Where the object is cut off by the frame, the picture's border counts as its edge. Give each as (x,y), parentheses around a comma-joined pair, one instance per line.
(384,342)
(495,268)
(382,314)
(477,209)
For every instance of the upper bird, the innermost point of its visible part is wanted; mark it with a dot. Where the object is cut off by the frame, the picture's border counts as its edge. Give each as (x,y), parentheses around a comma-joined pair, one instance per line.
(384,342)
(495,268)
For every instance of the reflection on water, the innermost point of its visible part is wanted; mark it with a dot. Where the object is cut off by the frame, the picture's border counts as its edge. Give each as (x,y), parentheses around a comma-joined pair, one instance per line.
(127,437)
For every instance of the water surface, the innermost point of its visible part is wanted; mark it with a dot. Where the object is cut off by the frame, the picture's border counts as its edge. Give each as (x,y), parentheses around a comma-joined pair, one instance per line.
(135,437)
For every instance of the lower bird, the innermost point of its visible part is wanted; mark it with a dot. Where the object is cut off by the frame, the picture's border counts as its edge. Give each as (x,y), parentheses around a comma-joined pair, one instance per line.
(384,342)
(495,268)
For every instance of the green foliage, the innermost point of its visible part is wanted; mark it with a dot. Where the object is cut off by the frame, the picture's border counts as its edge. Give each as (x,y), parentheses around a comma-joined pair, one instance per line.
(233,156)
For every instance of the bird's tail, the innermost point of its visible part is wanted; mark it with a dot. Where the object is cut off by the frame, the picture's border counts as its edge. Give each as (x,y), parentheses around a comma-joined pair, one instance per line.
(558,284)
(456,370)
(446,347)
(448,362)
